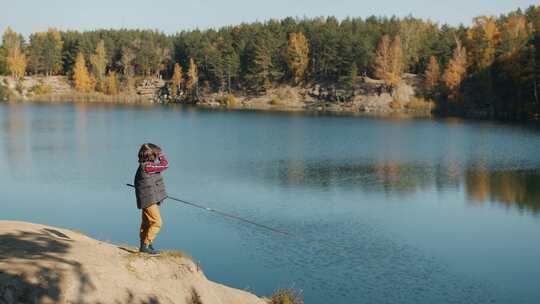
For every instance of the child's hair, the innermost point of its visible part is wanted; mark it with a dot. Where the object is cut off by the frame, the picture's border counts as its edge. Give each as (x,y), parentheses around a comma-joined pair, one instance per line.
(148,152)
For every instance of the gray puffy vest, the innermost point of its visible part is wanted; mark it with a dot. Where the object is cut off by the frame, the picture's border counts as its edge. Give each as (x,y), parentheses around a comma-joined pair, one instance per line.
(149,188)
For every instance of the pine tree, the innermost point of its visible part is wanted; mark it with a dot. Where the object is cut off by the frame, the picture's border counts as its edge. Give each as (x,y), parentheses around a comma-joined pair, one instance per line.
(297,56)
(16,61)
(261,69)
(99,65)
(81,78)
(432,75)
(45,52)
(112,83)
(128,69)
(353,79)
(177,79)
(455,71)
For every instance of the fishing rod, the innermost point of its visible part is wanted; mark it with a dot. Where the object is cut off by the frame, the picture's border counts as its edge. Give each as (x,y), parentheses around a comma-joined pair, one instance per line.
(225,214)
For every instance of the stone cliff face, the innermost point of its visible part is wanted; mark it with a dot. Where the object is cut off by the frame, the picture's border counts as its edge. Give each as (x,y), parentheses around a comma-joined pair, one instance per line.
(42,264)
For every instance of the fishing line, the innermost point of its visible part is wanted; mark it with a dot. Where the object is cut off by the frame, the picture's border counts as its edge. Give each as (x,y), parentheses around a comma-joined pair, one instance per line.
(313,243)
(225,214)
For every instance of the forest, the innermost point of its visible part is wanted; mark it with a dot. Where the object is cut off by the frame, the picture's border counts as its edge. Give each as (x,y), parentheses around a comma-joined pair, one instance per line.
(492,65)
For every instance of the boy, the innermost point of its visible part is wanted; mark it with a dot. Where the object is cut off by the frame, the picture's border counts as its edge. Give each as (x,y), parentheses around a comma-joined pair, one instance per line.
(150,192)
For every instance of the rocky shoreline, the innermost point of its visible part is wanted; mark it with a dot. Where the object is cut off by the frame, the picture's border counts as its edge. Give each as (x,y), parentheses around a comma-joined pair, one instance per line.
(369,97)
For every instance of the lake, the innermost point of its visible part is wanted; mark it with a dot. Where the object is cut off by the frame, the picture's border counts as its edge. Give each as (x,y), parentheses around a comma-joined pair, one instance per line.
(386,210)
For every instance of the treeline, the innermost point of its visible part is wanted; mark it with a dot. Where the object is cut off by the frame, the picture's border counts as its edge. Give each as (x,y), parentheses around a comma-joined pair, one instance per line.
(492,66)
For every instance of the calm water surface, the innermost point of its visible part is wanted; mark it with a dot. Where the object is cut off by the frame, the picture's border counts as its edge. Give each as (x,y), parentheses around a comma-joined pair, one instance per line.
(399,211)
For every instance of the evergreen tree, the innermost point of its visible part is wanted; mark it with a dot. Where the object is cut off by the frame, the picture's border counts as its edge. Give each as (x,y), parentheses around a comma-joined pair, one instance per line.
(353,79)
(99,65)
(46,52)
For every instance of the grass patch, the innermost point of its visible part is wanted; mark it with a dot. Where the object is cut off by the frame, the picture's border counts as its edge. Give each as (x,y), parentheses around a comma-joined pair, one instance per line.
(40,89)
(194,298)
(286,296)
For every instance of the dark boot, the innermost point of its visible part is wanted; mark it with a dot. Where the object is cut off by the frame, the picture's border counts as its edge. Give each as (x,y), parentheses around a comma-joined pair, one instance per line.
(146,249)
(153,249)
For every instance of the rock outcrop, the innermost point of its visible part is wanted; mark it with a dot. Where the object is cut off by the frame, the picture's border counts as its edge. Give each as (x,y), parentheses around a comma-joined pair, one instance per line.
(42,264)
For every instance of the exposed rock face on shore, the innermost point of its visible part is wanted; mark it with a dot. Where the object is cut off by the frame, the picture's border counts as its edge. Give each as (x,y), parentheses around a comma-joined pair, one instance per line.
(41,264)
(369,96)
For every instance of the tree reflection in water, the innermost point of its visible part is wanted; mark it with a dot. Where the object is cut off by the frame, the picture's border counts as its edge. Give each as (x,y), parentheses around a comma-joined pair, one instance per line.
(511,187)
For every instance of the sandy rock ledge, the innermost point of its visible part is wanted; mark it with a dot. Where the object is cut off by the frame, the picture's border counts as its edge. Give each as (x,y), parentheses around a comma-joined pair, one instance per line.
(42,264)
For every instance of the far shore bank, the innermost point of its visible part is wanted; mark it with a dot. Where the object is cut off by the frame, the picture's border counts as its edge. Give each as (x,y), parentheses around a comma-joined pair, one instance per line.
(368,100)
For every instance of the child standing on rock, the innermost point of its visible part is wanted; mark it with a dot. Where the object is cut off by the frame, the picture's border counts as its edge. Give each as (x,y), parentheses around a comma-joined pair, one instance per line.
(150,192)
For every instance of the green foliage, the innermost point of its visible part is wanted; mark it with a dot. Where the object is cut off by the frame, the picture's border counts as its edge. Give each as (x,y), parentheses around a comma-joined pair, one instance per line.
(45,52)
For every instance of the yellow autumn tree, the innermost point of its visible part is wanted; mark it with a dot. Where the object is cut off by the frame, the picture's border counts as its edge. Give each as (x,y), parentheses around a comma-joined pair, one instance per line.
(112,84)
(455,71)
(432,75)
(514,33)
(482,38)
(16,62)
(81,78)
(177,79)
(193,76)
(297,56)
(389,60)
(396,61)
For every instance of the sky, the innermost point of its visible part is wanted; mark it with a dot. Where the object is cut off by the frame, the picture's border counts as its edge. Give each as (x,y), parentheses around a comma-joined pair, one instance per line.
(169,16)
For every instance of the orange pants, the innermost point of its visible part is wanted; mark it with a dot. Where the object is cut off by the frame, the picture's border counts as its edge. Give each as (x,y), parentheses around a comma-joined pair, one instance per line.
(151,223)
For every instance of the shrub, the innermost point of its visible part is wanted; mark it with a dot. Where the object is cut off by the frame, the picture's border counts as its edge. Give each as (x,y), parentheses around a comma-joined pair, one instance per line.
(420,104)
(275,100)
(286,296)
(395,105)
(19,87)
(41,89)
(228,101)
(5,93)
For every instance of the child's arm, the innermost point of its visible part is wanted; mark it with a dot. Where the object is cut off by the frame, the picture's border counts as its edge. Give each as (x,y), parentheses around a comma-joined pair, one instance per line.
(162,165)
